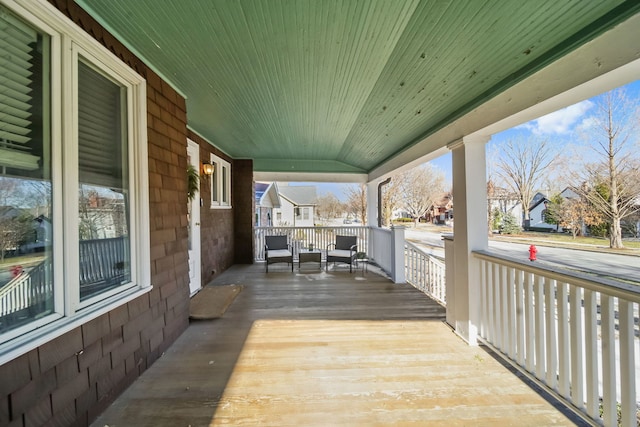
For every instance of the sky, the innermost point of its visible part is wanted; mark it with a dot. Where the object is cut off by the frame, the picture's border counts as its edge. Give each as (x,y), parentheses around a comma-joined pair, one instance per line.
(559,127)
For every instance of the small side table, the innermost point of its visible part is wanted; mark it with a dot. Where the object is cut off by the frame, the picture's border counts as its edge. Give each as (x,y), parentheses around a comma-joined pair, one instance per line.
(305,255)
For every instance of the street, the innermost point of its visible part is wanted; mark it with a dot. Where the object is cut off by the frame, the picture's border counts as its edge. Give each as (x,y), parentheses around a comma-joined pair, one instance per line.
(602,264)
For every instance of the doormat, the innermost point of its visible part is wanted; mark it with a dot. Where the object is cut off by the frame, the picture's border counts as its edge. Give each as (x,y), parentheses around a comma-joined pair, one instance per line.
(212,301)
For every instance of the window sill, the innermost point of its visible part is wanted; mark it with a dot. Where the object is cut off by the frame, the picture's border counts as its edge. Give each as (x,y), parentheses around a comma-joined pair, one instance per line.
(56,328)
(220,207)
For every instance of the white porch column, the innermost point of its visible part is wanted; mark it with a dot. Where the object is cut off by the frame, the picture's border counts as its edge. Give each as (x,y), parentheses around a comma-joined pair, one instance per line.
(469,231)
(372,214)
(397,254)
(372,204)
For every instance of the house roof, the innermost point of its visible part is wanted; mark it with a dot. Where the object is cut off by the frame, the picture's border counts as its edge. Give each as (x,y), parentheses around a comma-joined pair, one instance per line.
(267,195)
(299,194)
(538,199)
(443,200)
(351,88)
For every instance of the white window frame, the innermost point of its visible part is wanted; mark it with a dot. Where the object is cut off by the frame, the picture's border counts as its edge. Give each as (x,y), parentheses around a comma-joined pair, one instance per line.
(221,183)
(68,41)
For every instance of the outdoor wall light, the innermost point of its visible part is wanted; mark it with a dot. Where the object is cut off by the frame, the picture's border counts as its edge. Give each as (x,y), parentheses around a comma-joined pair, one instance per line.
(207,168)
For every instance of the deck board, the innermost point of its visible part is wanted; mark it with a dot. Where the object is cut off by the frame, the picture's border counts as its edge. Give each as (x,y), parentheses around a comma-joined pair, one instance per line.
(327,349)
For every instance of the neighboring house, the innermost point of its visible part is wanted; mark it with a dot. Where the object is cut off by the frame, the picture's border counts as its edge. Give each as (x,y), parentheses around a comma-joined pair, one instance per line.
(41,238)
(442,209)
(267,199)
(507,202)
(538,214)
(298,203)
(538,208)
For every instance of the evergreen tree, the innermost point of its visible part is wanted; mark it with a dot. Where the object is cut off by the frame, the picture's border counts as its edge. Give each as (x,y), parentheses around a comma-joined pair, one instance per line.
(510,224)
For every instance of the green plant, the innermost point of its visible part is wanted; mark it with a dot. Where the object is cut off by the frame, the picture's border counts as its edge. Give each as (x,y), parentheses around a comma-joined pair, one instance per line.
(193,182)
(510,224)
(496,218)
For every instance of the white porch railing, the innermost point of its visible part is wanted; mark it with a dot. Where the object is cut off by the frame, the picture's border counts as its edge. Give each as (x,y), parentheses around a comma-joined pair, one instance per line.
(27,289)
(577,335)
(425,272)
(380,247)
(300,237)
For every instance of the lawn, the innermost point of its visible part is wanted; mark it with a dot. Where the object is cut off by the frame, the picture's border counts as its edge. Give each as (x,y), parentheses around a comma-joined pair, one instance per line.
(569,240)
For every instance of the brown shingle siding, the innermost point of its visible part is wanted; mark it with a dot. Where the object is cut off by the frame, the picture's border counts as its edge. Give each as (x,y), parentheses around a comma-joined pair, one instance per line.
(29,395)
(95,329)
(67,393)
(67,370)
(90,355)
(59,349)
(15,375)
(38,413)
(112,340)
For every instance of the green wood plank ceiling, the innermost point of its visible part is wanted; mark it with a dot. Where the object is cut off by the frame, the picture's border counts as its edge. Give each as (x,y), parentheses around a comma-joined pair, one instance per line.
(343,86)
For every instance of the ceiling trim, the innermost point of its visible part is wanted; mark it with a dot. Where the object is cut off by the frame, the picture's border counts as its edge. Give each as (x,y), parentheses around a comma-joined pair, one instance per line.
(357,178)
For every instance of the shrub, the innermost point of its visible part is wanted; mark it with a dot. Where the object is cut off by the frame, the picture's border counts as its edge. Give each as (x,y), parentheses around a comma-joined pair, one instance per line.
(510,224)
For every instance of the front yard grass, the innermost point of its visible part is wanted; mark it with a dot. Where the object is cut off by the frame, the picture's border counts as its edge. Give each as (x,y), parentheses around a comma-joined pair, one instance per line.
(567,239)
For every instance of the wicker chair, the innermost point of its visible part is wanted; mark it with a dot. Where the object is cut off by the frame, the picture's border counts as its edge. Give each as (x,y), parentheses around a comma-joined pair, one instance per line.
(277,249)
(343,250)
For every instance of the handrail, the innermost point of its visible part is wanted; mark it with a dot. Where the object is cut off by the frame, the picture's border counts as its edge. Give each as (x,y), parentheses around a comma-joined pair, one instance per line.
(596,284)
(576,335)
(425,272)
(22,291)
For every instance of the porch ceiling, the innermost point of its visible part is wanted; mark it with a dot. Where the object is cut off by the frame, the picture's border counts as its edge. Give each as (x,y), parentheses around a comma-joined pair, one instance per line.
(344,86)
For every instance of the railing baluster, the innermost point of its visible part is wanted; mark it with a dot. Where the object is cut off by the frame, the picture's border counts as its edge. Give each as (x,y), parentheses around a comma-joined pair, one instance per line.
(608,340)
(591,357)
(538,291)
(491,332)
(577,373)
(504,309)
(520,321)
(484,323)
(511,313)
(627,363)
(551,338)
(529,321)
(564,351)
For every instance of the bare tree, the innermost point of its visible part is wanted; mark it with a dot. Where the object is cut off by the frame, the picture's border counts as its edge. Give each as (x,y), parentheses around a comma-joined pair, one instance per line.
(391,198)
(611,181)
(523,166)
(328,207)
(357,201)
(419,188)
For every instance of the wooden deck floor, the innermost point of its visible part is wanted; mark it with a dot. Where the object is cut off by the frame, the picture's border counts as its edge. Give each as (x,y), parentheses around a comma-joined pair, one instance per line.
(327,349)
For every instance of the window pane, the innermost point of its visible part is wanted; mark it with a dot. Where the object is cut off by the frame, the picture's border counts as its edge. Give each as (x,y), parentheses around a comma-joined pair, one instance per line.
(26,280)
(215,178)
(105,260)
(225,185)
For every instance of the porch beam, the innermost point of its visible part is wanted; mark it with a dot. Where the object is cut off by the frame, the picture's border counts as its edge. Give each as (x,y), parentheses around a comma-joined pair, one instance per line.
(470,232)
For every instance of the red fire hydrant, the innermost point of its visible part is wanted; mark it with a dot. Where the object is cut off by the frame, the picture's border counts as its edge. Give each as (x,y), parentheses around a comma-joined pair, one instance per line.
(532,253)
(16,270)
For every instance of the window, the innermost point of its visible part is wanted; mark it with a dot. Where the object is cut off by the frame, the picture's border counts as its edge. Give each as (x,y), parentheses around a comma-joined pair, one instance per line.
(220,183)
(97,203)
(305,213)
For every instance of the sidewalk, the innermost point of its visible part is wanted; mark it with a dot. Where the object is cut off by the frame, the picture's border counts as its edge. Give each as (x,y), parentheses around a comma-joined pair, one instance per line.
(536,240)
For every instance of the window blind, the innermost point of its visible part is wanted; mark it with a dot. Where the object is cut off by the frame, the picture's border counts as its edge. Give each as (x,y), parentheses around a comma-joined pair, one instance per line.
(18,43)
(101,141)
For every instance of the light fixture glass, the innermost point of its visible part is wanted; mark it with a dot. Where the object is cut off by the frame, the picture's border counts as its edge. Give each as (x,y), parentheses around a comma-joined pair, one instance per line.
(207,169)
